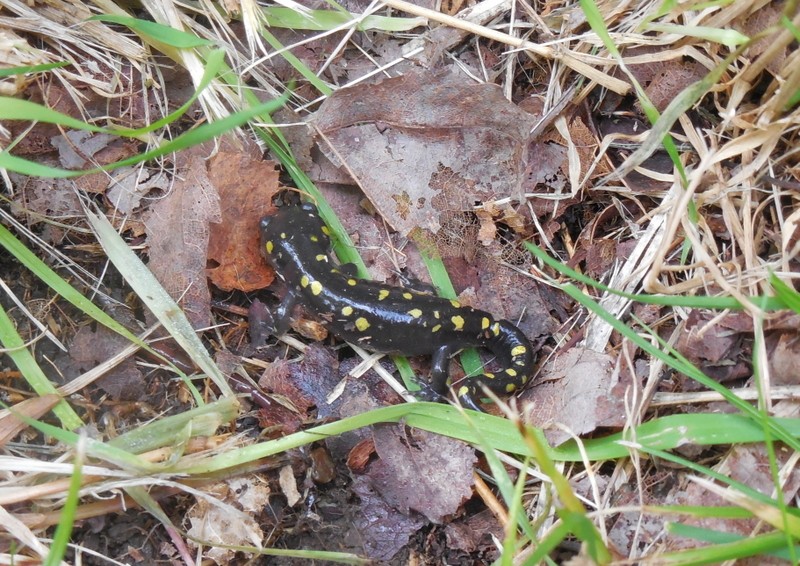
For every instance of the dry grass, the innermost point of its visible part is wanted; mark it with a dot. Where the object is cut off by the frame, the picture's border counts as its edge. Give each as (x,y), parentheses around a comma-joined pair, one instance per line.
(720,223)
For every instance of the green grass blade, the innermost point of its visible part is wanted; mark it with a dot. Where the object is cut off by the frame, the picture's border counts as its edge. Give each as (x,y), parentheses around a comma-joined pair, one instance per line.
(18,352)
(666,433)
(23,70)
(157,33)
(765,302)
(157,300)
(66,519)
(17,109)
(95,448)
(549,543)
(598,25)
(508,490)
(787,295)
(727,37)
(296,63)
(202,421)
(192,137)
(67,291)
(727,546)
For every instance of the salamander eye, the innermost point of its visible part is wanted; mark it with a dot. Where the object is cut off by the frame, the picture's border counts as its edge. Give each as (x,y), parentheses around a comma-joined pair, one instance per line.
(308,207)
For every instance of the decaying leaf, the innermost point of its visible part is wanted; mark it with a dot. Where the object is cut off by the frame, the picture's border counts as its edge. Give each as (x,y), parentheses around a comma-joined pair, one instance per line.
(177,235)
(575,390)
(245,184)
(230,521)
(426,143)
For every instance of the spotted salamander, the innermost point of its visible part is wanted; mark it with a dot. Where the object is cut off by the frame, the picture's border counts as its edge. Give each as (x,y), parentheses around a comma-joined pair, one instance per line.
(383,318)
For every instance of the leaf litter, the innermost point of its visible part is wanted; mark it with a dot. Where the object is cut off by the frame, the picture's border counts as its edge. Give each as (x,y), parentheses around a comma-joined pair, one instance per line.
(446,162)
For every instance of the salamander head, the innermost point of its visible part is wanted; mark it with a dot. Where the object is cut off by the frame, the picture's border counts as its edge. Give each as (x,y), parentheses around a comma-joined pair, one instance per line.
(296,225)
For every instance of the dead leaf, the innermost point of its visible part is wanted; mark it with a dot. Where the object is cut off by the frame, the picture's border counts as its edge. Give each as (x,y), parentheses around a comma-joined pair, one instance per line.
(784,359)
(407,137)
(305,384)
(288,485)
(129,185)
(90,347)
(230,524)
(720,348)
(474,533)
(421,471)
(177,235)
(384,530)
(575,389)
(245,184)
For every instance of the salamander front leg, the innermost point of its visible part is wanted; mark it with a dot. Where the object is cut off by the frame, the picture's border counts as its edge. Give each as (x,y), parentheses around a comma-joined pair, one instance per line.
(439,367)
(283,314)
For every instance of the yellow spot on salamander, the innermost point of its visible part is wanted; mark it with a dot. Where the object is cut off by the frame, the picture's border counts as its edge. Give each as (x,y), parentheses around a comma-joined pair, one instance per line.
(408,296)
(489,375)
(456,304)
(436,328)
(304,281)
(512,372)
(347,311)
(351,282)
(283,235)
(382,294)
(322,257)
(316,288)
(458,322)
(326,230)
(270,247)
(416,313)
(435,314)
(312,238)
(485,322)
(518,350)
(362,324)
(463,390)
(496,329)
(519,363)
(511,387)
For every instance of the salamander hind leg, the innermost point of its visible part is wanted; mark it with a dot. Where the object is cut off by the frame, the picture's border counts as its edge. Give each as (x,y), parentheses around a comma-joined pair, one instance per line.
(514,351)
(502,383)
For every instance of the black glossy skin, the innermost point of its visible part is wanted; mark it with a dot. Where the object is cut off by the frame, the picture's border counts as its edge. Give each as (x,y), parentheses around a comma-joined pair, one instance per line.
(383,318)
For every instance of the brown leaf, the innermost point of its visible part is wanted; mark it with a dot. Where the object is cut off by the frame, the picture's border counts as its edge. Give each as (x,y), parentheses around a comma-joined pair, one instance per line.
(784,360)
(91,347)
(384,530)
(177,233)
(720,348)
(424,143)
(246,185)
(474,533)
(421,471)
(575,390)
